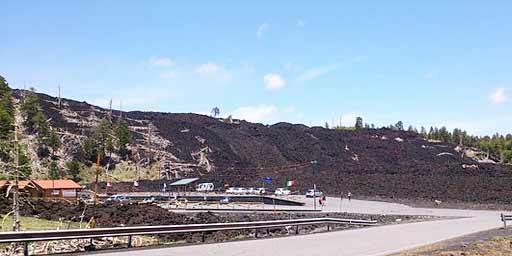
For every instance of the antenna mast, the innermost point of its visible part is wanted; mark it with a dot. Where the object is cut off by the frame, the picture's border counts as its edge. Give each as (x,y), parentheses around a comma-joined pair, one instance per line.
(60,99)
(110,111)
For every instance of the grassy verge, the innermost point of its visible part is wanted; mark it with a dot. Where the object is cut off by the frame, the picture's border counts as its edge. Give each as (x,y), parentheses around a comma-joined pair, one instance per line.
(31,223)
(496,246)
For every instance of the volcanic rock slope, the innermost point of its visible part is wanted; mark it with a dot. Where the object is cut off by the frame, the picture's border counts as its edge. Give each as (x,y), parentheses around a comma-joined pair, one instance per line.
(370,162)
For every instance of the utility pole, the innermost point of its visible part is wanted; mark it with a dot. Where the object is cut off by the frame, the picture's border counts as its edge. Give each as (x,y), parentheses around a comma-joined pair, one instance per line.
(149,140)
(15,201)
(341,200)
(95,195)
(110,111)
(60,99)
(313,163)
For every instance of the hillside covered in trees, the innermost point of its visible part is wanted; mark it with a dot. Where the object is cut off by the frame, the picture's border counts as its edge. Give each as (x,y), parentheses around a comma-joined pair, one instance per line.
(64,138)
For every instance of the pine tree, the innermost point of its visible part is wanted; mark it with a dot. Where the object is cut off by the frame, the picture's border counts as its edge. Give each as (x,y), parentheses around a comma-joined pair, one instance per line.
(31,110)
(91,149)
(24,162)
(6,111)
(423,132)
(359,122)
(399,126)
(54,173)
(123,135)
(74,170)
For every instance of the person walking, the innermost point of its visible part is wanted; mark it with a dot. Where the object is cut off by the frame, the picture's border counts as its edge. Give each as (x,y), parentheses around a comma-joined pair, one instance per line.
(349,195)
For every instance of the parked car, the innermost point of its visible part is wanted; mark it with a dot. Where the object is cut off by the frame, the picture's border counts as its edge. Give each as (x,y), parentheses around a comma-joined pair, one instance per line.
(259,191)
(265,191)
(241,190)
(148,200)
(224,200)
(205,187)
(314,193)
(282,192)
(118,198)
(231,190)
(252,191)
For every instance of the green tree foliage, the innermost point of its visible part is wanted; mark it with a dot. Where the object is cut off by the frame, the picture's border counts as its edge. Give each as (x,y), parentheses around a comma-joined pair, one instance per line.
(54,173)
(31,110)
(52,140)
(36,122)
(359,122)
(507,155)
(107,138)
(90,148)
(497,146)
(6,111)
(74,169)
(399,126)
(103,134)
(24,162)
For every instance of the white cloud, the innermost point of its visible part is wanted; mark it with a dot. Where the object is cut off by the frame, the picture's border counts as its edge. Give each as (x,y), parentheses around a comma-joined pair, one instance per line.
(161,62)
(301,23)
(214,71)
(498,96)
(262,29)
(315,72)
(349,119)
(168,74)
(273,81)
(257,114)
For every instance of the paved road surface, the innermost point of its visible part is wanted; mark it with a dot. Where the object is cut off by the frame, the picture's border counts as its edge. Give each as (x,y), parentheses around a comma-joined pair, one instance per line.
(380,240)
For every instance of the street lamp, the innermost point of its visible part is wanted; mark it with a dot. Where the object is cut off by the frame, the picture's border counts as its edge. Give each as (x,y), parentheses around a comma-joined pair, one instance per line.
(313,163)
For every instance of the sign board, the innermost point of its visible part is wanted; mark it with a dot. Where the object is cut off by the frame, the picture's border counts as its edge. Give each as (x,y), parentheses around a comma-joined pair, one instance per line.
(267,179)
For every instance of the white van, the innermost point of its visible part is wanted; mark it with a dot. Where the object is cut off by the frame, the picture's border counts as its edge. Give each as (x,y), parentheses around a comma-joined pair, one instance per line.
(204,187)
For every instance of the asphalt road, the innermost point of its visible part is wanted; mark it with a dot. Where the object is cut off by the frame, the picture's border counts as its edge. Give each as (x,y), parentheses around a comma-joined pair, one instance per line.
(381,240)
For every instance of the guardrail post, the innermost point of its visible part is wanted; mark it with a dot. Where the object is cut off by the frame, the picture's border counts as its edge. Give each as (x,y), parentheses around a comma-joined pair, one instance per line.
(25,249)
(504,219)
(129,241)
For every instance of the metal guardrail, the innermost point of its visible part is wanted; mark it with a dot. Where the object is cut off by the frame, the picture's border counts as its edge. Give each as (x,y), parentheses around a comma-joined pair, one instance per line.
(505,218)
(35,236)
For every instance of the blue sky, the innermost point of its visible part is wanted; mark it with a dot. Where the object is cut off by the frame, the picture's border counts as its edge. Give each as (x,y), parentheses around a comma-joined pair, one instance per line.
(431,63)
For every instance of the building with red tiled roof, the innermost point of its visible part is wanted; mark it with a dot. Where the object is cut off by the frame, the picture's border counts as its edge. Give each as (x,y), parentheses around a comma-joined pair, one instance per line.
(6,183)
(54,188)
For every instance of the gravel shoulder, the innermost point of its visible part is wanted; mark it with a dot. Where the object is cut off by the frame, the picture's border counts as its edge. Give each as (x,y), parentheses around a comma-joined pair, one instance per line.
(492,243)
